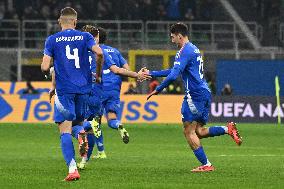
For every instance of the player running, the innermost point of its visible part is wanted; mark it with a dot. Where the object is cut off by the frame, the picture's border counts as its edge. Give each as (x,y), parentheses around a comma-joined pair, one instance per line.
(69,50)
(111,85)
(195,107)
(101,97)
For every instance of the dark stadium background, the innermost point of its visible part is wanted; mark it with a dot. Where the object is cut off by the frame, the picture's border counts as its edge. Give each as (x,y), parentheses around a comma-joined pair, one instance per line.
(242,46)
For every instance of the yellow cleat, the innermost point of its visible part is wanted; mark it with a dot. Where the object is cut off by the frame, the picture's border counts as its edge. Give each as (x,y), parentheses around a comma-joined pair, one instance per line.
(82,165)
(124,134)
(96,128)
(100,155)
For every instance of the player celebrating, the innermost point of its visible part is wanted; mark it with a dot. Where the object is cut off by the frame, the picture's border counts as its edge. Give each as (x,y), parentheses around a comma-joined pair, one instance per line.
(195,107)
(69,50)
(111,84)
(98,92)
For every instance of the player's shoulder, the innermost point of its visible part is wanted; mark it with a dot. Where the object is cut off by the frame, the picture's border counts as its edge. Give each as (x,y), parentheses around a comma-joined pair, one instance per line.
(189,47)
(51,37)
(116,51)
(108,48)
(82,34)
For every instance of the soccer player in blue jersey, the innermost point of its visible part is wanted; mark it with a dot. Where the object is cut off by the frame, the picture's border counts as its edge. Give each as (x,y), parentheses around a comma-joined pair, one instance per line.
(97,97)
(69,51)
(195,107)
(111,85)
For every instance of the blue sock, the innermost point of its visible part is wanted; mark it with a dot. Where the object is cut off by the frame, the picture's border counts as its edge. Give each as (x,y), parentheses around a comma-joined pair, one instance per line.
(217,131)
(76,130)
(87,126)
(91,144)
(113,123)
(100,142)
(200,155)
(67,147)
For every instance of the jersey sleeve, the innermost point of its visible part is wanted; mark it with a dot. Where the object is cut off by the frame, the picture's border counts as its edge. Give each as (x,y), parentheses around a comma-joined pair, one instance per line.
(161,73)
(122,61)
(182,58)
(48,47)
(90,40)
(108,62)
(175,72)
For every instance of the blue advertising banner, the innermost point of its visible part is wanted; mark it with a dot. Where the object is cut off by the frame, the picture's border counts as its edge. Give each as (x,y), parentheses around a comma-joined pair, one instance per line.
(250,77)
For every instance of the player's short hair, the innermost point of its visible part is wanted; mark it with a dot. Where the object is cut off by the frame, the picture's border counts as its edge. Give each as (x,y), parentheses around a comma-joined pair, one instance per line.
(103,35)
(91,29)
(179,28)
(68,11)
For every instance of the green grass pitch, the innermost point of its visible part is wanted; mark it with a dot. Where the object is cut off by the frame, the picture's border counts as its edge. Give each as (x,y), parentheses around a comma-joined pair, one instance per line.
(156,157)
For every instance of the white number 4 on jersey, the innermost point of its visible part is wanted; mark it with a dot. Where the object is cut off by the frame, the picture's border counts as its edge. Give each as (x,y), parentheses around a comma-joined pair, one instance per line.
(74,56)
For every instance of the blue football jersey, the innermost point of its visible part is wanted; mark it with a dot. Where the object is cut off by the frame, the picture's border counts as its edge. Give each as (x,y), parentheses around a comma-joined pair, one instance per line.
(96,87)
(69,50)
(110,80)
(189,62)
(107,63)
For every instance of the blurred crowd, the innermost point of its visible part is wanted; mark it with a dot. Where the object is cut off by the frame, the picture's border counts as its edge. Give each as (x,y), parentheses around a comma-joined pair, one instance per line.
(253,10)
(109,9)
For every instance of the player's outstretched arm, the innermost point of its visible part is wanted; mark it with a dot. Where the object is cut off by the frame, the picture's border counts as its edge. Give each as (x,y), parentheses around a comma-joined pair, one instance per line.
(160,73)
(170,78)
(126,66)
(45,65)
(141,76)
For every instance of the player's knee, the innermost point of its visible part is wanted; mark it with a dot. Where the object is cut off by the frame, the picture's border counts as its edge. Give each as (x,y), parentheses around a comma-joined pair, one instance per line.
(199,132)
(188,131)
(111,115)
(65,127)
(87,126)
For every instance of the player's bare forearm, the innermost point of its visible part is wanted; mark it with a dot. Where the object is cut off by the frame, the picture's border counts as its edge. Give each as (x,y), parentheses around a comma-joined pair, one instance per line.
(53,83)
(100,57)
(126,66)
(99,65)
(45,65)
(121,71)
